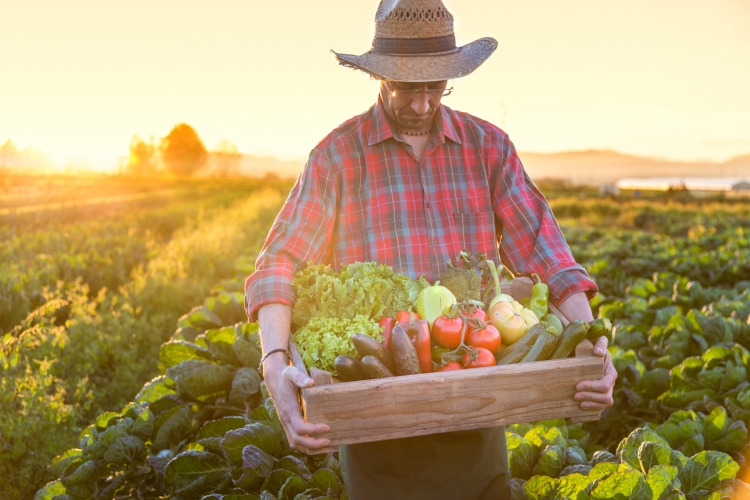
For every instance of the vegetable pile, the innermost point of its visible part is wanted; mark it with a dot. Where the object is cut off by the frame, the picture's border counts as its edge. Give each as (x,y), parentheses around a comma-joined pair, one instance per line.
(449,331)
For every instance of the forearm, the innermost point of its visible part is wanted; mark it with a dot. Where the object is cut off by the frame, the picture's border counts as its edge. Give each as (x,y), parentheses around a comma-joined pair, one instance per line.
(576,307)
(275,322)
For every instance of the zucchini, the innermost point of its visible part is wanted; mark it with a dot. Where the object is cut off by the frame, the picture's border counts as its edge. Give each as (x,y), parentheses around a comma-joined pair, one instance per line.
(515,357)
(573,334)
(544,345)
(554,321)
(349,369)
(601,327)
(368,346)
(526,341)
(373,368)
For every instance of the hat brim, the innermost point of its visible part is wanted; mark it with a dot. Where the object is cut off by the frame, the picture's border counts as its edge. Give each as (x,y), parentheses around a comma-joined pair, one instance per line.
(422,68)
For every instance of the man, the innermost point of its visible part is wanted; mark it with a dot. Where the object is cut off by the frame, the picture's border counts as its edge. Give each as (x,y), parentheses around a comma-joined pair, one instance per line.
(410,183)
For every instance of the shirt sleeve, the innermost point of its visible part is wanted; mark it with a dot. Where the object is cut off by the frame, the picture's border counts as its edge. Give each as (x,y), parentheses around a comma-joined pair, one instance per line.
(531,240)
(301,233)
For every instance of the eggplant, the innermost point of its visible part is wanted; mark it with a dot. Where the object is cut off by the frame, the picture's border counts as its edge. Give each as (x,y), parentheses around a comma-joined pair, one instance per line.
(373,368)
(368,346)
(349,369)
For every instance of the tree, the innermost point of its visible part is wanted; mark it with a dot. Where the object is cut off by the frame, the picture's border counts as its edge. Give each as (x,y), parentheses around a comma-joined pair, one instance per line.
(225,159)
(143,159)
(183,151)
(8,154)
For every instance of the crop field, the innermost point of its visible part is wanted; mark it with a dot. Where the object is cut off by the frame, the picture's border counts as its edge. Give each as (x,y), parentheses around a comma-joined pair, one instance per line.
(129,371)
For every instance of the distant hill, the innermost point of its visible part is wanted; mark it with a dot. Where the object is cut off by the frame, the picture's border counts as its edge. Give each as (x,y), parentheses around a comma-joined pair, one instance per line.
(260,166)
(599,167)
(595,167)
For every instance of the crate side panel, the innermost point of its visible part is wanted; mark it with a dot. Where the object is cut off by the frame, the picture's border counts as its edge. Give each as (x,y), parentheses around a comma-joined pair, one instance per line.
(431,403)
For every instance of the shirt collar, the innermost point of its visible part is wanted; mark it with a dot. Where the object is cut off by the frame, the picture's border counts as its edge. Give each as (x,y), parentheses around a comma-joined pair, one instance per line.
(382,128)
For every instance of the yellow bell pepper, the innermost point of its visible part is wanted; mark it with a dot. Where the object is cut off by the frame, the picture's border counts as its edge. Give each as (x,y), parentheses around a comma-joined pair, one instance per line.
(434,301)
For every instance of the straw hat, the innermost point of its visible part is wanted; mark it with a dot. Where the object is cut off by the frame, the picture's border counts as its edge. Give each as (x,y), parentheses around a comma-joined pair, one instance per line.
(414,42)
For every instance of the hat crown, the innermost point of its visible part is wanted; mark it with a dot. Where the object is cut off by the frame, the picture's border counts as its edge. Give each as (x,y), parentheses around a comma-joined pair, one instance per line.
(413,19)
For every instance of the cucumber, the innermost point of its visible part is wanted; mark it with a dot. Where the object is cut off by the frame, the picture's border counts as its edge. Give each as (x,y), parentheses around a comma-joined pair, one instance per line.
(573,334)
(368,346)
(349,369)
(373,368)
(526,341)
(515,356)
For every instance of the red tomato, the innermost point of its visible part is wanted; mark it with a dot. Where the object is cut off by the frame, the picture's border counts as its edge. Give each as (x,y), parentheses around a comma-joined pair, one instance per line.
(488,337)
(479,314)
(452,365)
(447,331)
(404,316)
(485,358)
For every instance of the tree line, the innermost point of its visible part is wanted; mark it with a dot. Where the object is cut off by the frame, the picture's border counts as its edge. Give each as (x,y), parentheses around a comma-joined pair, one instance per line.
(182,153)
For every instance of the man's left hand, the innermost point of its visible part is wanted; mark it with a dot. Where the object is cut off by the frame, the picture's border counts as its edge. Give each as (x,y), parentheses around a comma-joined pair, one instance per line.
(597,394)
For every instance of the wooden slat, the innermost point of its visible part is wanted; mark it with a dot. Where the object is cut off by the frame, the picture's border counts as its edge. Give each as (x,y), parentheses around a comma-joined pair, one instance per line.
(391,408)
(320,377)
(296,358)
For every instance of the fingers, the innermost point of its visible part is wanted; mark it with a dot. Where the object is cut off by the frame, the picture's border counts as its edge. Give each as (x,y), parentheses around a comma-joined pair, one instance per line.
(303,436)
(298,378)
(594,400)
(604,384)
(597,394)
(600,348)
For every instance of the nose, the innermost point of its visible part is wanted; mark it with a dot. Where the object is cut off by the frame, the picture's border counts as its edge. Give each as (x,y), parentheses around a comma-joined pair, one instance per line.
(421,103)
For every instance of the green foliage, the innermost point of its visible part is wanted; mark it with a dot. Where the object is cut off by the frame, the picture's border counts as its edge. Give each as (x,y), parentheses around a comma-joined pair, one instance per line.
(195,440)
(57,375)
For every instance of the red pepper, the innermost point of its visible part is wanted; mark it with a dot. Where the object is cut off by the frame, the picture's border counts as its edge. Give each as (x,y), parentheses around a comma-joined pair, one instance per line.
(387,323)
(404,316)
(419,334)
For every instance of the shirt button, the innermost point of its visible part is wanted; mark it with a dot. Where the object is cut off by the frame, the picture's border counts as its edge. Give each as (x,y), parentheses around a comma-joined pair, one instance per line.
(434,243)
(428,205)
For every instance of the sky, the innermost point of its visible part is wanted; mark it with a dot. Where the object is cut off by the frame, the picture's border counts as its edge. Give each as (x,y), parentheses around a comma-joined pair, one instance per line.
(660,78)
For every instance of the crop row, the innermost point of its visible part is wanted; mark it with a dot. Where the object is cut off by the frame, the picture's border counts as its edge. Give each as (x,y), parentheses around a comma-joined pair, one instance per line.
(206,428)
(80,353)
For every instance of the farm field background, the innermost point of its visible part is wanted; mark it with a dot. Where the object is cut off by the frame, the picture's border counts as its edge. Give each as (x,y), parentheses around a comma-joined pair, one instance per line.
(110,283)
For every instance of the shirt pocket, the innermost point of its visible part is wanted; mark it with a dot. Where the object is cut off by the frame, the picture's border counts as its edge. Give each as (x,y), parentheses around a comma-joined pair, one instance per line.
(476,233)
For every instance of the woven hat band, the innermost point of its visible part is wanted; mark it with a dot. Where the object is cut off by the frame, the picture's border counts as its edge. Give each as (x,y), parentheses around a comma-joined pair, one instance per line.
(414,46)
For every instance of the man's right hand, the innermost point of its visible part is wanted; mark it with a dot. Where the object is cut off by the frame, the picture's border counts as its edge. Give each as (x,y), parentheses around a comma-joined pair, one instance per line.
(283,383)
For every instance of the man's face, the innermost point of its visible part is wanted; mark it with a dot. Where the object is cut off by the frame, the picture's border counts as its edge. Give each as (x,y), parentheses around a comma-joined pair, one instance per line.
(412,111)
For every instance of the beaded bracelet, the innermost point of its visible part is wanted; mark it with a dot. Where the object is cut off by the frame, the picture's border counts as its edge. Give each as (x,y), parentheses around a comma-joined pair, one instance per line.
(260,365)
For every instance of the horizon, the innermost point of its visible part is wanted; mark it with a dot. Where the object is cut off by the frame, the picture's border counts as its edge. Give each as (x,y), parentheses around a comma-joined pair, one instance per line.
(658,81)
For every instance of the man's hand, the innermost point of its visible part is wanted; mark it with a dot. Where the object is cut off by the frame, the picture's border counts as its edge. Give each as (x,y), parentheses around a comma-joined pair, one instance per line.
(597,394)
(283,383)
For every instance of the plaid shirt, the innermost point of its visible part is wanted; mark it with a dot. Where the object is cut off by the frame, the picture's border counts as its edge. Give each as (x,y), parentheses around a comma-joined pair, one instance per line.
(363,196)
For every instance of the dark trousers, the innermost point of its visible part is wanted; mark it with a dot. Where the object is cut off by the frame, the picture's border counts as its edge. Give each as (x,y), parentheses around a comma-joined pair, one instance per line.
(465,465)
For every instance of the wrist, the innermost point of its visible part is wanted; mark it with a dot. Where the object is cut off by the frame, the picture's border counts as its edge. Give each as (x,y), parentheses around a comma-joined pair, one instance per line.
(275,360)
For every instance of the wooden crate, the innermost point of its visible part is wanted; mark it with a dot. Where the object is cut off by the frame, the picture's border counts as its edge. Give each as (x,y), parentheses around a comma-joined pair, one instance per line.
(431,403)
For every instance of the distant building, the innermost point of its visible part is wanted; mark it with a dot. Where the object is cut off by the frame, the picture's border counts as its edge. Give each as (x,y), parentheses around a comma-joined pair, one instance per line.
(731,186)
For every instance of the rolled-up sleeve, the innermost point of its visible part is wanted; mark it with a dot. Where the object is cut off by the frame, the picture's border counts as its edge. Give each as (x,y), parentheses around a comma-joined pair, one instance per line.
(301,233)
(531,241)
